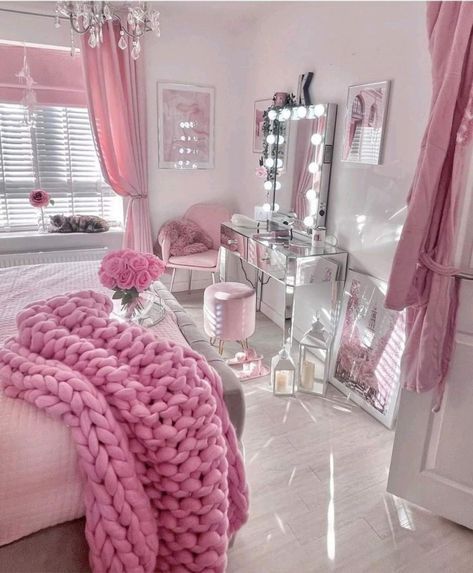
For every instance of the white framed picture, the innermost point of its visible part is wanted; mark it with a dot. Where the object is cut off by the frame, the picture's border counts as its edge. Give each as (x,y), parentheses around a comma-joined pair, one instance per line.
(368,348)
(365,120)
(261,105)
(186,124)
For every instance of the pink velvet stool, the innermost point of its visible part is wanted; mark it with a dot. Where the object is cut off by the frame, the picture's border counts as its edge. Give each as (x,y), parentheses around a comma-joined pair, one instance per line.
(229,313)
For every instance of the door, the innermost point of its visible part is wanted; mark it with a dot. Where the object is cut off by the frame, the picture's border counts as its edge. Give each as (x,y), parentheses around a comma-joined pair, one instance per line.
(432,461)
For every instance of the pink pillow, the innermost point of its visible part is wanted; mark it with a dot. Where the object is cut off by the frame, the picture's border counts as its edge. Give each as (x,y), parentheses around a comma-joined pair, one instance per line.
(185,237)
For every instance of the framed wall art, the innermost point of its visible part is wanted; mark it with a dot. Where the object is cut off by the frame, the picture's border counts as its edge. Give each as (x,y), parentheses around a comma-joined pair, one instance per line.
(261,105)
(186,123)
(365,120)
(368,348)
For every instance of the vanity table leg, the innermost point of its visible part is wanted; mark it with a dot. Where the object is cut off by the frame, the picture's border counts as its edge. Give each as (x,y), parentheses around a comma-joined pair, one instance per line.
(259,286)
(288,313)
(223,265)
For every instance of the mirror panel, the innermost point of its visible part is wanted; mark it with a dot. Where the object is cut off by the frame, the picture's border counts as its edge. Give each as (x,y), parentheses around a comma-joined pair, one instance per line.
(300,143)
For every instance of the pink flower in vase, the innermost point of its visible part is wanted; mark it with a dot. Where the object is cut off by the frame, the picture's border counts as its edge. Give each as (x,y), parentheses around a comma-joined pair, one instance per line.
(137,262)
(107,280)
(126,279)
(143,281)
(39,198)
(156,266)
(129,273)
(113,265)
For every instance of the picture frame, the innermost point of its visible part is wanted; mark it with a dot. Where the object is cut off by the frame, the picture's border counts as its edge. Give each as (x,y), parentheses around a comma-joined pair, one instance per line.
(260,106)
(365,122)
(368,348)
(186,126)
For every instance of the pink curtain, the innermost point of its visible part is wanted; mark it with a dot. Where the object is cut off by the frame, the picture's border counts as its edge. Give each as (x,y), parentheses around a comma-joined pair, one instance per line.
(422,276)
(117,107)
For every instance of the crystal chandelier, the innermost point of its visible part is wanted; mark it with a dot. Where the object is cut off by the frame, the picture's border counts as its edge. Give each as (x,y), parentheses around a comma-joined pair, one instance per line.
(29,99)
(134,18)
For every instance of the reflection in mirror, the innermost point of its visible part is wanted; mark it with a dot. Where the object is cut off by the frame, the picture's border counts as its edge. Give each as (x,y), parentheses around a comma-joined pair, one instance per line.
(303,156)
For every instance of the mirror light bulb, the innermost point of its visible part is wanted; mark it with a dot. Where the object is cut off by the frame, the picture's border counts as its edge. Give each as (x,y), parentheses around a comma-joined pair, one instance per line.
(271,139)
(276,206)
(268,185)
(272,114)
(285,113)
(313,167)
(266,207)
(316,139)
(269,162)
(319,110)
(301,111)
(278,186)
(311,194)
(280,140)
(279,163)
(308,221)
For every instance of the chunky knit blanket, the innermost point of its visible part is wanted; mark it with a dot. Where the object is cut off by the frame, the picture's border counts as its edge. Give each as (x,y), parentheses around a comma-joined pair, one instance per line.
(164,483)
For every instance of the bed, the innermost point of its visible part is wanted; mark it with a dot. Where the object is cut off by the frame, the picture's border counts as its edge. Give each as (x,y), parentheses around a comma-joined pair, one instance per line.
(39,479)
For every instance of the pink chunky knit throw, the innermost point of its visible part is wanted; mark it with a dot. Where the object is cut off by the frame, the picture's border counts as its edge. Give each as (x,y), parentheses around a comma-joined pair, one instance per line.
(164,483)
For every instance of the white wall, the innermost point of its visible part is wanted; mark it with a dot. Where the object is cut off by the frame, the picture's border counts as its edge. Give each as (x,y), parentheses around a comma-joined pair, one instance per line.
(346,43)
(200,45)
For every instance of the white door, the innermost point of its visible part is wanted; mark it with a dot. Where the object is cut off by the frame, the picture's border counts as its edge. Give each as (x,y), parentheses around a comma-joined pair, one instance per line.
(432,462)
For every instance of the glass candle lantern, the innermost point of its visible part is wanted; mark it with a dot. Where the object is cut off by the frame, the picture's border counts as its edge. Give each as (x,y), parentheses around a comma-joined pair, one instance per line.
(283,374)
(314,360)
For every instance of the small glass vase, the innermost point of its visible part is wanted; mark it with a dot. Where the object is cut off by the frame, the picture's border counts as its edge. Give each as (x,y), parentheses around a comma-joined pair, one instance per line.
(147,310)
(42,226)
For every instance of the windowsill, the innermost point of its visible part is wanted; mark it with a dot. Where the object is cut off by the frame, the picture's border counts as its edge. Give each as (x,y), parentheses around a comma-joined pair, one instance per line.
(31,241)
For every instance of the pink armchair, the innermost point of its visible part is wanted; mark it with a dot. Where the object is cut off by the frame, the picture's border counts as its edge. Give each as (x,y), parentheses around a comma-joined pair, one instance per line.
(209,217)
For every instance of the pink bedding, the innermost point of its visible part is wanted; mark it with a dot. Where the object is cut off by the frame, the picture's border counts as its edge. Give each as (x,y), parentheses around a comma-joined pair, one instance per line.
(39,480)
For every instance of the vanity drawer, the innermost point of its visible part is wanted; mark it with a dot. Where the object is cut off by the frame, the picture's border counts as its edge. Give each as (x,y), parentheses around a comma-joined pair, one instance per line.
(266,259)
(233,241)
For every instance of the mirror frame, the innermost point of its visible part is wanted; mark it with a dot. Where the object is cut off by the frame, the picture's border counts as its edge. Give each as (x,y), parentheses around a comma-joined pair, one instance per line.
(276,123)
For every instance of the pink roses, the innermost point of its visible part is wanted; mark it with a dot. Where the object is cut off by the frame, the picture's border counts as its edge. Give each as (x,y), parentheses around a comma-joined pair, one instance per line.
(128,270)
(40,198)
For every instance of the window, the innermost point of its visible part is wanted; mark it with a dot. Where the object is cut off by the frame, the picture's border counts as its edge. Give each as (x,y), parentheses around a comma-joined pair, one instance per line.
(58,155)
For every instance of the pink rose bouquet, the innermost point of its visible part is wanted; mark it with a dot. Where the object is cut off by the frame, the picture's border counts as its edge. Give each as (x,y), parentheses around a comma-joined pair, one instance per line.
(129,273)
(40,199)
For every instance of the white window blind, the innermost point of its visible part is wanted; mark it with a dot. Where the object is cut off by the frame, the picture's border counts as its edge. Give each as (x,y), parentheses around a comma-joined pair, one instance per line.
(58,155)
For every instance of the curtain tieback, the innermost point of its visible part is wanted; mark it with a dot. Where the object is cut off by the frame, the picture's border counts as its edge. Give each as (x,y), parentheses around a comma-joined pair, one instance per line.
(444,270)
(135,197)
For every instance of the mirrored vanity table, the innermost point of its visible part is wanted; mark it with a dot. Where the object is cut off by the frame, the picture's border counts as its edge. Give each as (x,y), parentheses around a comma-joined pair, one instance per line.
(287,257)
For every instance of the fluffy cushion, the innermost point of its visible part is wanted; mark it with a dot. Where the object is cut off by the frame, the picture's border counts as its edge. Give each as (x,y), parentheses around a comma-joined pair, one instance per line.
(185,237)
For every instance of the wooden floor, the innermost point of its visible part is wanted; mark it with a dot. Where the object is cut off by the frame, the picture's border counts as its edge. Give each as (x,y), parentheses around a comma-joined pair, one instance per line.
(317,470)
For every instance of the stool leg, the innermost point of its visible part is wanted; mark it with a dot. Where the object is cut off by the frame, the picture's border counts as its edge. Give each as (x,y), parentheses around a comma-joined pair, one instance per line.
(221,344)
(214,278)
(213,340)
(172,279)
(189,288)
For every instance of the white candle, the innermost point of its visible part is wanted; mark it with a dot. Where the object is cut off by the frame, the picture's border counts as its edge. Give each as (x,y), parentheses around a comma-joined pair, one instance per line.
(281,381)
(308,372)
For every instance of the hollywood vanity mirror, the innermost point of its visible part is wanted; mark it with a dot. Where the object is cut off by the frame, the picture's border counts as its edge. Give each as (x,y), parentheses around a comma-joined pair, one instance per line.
(297,154)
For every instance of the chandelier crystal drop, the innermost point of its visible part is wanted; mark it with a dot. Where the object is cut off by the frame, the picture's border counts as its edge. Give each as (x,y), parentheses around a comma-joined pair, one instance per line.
(134,18)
